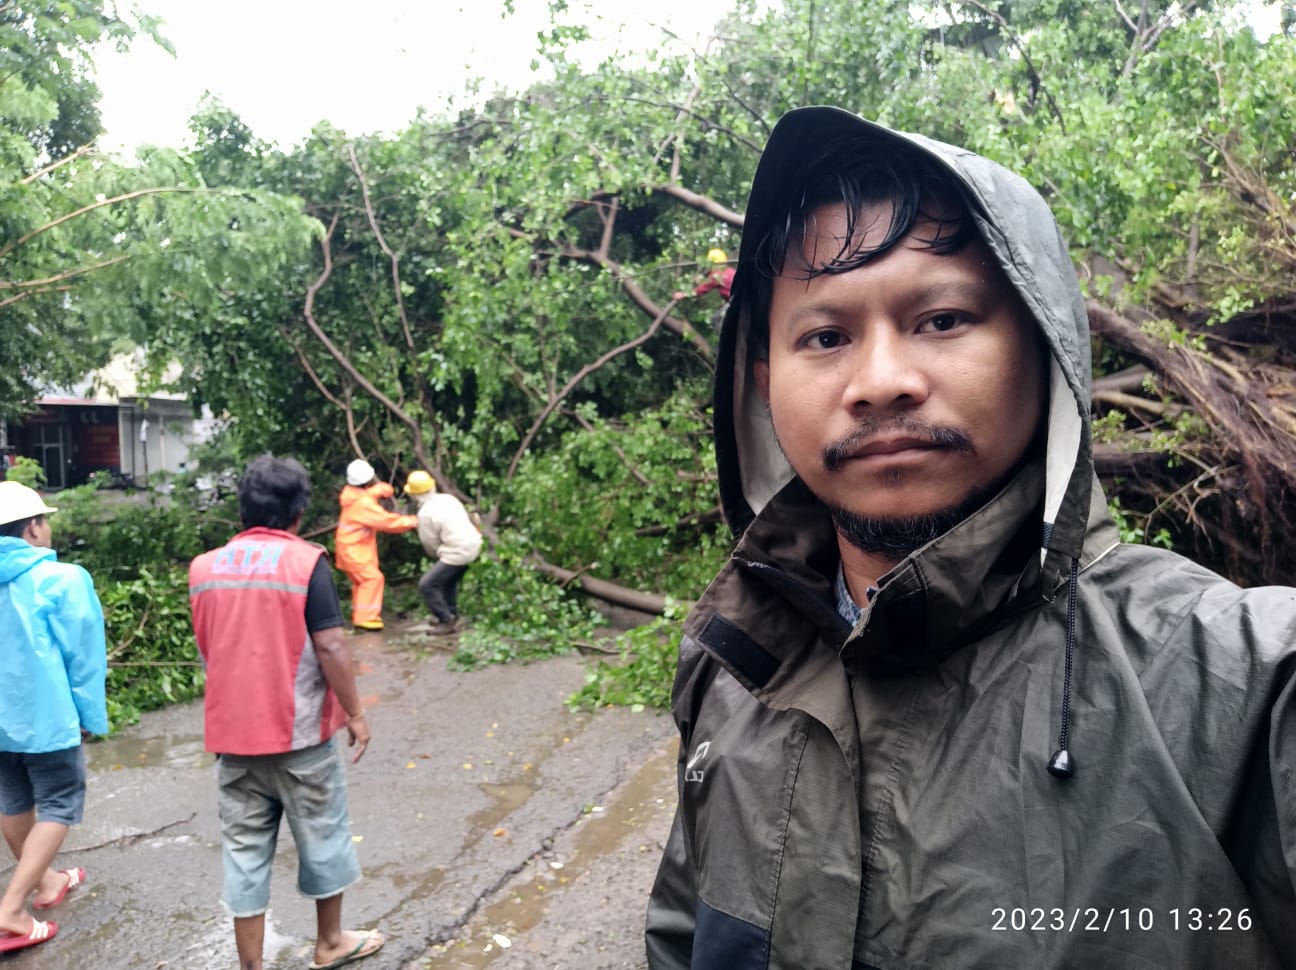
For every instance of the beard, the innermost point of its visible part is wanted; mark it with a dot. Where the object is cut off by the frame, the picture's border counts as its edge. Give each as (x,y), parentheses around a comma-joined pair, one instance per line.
(895,537)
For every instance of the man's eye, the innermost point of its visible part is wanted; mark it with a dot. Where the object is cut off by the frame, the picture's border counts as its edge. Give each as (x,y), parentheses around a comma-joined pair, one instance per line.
(825,340)
(941,322)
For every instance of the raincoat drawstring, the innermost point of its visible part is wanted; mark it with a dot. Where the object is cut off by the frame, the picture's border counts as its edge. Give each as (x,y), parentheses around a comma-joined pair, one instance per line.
(1061,765)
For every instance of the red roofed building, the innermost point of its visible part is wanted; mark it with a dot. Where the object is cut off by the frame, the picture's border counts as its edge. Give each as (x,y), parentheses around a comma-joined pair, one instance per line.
(105,425)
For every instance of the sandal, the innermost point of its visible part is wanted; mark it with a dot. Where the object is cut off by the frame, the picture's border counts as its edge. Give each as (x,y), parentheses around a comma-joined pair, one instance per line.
(39,933)
(370,943)
(75,877)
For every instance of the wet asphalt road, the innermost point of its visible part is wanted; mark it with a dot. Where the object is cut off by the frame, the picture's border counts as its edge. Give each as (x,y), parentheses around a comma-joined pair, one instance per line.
(495,829)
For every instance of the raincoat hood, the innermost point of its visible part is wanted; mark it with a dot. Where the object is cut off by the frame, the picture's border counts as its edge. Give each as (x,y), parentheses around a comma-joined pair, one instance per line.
(1021,233)
(18,556)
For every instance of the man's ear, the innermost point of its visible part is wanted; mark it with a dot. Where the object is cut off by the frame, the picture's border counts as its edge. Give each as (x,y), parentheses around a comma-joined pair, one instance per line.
(760,372)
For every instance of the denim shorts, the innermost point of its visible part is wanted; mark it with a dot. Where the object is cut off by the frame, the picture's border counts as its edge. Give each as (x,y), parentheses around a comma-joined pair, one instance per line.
(308,787)
(53,782)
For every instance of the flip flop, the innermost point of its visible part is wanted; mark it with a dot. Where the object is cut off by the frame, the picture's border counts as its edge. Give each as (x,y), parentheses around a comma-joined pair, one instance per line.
(75,876)
(40,932)
(367,947)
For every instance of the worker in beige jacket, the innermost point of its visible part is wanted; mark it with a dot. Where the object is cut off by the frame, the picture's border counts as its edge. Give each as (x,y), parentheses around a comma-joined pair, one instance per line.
(452,540)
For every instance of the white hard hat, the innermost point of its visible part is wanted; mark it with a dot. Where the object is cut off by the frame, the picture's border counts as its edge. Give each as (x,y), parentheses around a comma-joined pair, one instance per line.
(17,502)
(359,472)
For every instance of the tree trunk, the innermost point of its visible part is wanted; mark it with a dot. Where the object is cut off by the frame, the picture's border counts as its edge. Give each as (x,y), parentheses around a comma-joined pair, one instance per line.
(604,590)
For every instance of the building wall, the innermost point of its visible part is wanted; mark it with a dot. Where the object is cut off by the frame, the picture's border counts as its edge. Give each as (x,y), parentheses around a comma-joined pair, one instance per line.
(156,436)
(73,439)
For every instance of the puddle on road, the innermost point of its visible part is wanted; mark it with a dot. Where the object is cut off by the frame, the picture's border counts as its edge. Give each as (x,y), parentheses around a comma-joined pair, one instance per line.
(505,800)
(525,905)
(507,797)
(163,751)
(410,884)
(411,888)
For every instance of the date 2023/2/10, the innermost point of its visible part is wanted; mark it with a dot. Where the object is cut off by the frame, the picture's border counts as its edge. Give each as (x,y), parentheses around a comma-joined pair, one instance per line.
(1095,919)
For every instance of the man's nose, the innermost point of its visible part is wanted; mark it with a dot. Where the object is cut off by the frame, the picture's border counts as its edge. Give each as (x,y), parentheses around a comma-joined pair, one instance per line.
(886,370)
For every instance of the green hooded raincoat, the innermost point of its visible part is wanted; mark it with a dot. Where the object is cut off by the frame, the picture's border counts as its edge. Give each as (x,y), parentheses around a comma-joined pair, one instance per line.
(878,797)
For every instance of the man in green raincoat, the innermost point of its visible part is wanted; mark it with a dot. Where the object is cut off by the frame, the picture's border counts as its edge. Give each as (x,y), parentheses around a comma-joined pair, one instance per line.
(933,713)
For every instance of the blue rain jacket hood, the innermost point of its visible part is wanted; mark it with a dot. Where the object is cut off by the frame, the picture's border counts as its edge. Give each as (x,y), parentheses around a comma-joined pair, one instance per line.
(53,662)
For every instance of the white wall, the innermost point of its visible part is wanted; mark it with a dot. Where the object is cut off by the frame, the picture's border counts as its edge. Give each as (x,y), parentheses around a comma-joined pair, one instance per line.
(170,435)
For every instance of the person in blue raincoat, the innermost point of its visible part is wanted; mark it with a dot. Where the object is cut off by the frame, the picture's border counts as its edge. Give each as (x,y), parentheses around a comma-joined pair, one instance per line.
(53,667)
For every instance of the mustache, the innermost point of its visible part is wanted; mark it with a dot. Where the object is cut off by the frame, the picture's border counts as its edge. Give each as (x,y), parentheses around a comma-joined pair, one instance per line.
(839,452)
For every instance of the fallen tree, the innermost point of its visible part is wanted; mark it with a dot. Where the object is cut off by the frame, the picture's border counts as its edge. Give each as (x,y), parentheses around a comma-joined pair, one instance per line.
(493,297)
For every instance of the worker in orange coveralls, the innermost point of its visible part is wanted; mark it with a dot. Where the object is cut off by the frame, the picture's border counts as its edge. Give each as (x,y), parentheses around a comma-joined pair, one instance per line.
(356,542)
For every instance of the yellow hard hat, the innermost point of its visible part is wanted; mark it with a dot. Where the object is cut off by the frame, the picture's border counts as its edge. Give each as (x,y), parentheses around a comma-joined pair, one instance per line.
(717,255)
(419,482)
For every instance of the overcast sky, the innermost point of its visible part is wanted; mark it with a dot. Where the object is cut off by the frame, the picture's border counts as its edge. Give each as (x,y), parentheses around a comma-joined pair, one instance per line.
(285,65)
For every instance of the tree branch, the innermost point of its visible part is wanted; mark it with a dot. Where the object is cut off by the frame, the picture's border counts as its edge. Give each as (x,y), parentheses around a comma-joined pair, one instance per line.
(1031,72)
(1165,22)
(681,327)
(309,311)
(684,109)
(26,293)
(382,242)
(1252,191)
(61,162)
(79,271)
(701,203)
(1129,379)
(1137,39)
(139,193)
(1126,17)
(341,405)
(602,589)
(1132,402)
(353,432)
(579,376)
(608,214)
(676,137)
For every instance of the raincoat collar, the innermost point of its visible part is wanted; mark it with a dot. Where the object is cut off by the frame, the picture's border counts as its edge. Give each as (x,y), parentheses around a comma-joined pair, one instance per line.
(955,588)
(960,585)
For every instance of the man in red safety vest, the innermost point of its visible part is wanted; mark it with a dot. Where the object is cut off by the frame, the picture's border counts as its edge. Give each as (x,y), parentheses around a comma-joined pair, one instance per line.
(280,684)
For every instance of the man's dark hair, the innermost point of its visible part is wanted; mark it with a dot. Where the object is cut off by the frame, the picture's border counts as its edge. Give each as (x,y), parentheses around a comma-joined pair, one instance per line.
(857,172)
(14,530)
(273,492)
